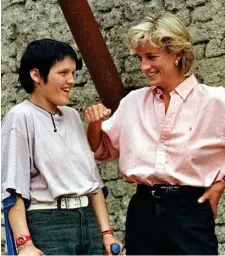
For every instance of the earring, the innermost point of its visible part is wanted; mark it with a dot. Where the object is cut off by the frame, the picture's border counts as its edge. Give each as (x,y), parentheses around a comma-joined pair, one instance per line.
(176,62)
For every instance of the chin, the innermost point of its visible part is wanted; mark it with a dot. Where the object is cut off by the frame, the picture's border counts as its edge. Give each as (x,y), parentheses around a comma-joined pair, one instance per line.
(152,83)
(63,102)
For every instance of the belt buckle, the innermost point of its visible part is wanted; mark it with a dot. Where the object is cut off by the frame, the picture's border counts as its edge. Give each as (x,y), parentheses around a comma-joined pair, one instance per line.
(78,201)
(67,202)
(64,203)
(73,203)
(154,195)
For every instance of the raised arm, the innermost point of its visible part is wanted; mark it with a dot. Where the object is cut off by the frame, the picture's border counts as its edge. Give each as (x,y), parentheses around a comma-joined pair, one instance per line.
(95,115)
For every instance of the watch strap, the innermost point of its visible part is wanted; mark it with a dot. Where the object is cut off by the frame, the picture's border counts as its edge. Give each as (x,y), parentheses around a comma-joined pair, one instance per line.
(22,240)
(107,232)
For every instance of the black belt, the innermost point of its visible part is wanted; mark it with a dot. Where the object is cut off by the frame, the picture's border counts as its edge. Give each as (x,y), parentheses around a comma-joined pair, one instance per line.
(161,190)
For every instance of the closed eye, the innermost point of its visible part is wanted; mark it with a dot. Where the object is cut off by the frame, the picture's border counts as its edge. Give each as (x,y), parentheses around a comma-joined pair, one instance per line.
(151,57)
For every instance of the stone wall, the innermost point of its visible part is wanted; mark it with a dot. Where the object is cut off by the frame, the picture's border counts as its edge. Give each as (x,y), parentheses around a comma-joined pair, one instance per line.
(26,20)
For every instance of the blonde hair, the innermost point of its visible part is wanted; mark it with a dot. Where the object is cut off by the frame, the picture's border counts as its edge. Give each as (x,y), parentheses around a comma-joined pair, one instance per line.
(164,31)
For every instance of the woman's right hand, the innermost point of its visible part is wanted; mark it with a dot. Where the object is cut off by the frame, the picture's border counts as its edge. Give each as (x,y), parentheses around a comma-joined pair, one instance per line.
(97,113)
(31,250)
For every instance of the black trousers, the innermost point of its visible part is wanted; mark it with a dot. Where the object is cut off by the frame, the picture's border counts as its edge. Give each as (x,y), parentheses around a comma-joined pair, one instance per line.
(169,225)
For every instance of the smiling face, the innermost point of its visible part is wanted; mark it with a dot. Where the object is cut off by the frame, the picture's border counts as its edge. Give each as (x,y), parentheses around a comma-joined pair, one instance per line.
(55,92)
(159,66)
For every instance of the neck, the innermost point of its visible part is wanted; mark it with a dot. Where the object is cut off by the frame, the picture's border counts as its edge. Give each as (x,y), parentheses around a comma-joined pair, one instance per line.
(52,109)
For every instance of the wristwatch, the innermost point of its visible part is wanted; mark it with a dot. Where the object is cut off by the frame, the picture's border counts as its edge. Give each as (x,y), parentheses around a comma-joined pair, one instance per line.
(21,240)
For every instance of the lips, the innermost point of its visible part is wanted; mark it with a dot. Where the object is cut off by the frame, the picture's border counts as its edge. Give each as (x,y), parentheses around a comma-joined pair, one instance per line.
(150,74)
(66,90)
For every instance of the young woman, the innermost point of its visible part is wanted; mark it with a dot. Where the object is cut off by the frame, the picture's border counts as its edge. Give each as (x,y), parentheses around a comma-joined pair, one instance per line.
(46,159)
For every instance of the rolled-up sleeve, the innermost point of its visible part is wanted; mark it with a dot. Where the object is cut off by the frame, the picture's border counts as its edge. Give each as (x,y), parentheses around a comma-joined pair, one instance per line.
(106,152)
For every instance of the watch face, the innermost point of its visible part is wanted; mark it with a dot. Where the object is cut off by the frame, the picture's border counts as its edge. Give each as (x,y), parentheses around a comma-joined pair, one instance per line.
(21,240)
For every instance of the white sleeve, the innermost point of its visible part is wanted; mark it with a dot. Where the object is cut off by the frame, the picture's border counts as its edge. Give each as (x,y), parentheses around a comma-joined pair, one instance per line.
(15,158)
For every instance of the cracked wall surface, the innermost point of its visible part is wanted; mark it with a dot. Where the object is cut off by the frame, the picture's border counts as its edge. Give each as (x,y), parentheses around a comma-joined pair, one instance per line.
(26,20)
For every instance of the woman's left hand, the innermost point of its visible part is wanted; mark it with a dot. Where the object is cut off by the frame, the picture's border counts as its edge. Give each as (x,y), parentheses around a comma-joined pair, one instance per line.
(213,194)
(107,241)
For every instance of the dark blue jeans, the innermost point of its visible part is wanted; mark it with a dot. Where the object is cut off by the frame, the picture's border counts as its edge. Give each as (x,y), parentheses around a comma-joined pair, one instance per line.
(65,232)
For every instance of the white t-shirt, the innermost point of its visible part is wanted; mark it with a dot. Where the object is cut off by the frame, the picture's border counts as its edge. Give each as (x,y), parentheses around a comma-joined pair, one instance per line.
(41,164)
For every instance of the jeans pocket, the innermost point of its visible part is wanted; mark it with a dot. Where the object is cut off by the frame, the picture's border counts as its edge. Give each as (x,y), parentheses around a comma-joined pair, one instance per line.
(38,218)
(203,209)
(209,209)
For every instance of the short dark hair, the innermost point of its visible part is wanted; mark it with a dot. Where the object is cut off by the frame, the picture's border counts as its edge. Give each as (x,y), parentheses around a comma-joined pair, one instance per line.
(43,54)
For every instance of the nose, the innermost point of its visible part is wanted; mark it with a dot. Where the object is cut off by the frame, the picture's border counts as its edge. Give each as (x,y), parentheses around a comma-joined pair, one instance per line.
(145,65)
(71,80)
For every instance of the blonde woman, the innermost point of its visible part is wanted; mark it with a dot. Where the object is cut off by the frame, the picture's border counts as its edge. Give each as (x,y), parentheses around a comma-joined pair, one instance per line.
(170,140)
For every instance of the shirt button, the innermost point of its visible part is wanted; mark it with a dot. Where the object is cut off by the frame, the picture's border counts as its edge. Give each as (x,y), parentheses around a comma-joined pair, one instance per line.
(160,104)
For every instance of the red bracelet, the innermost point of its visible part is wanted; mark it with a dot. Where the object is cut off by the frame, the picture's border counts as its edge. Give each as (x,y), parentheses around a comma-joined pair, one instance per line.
(21,240)
(107,232)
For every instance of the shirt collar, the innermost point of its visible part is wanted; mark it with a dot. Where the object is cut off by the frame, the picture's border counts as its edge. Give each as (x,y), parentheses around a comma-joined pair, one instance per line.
(183,89)
(156,90)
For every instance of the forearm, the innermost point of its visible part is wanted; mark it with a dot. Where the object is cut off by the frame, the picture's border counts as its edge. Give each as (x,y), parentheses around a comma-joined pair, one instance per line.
(17,219)
(99,207)
(94,134)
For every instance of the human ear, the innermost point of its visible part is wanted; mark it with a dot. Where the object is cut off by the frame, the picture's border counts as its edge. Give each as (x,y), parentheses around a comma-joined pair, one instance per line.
(179,55)
(35,75)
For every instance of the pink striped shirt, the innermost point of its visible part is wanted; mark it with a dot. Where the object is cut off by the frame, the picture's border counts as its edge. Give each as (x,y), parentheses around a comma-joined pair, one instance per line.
(185,146)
